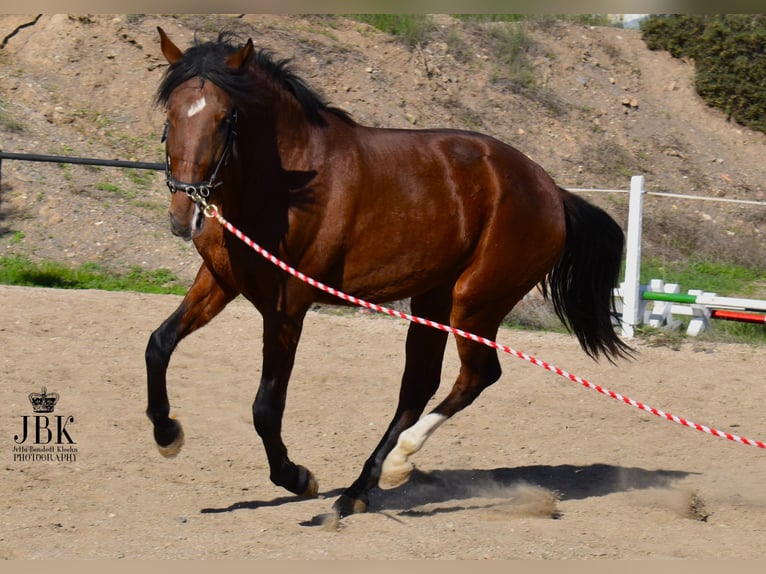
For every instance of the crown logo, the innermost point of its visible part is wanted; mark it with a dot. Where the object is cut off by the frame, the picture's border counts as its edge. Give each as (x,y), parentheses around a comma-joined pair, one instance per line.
(43,402)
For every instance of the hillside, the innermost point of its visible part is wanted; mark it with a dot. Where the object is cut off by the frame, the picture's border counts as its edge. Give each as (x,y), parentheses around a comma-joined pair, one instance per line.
(605,108)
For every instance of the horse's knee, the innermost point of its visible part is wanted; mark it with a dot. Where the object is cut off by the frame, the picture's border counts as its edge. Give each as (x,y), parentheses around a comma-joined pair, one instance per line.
(156,355)
(162,342)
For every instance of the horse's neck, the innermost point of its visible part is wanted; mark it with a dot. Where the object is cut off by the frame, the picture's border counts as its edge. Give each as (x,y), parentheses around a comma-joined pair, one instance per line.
(277,139)
(272,146)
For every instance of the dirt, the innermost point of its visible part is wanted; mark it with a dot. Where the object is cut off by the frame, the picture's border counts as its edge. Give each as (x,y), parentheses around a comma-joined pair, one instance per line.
(538,467)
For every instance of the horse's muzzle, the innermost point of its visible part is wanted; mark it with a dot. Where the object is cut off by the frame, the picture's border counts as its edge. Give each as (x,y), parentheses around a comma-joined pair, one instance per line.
(187,230)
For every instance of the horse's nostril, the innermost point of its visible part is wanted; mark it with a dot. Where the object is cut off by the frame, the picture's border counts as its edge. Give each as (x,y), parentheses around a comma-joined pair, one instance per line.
(178,229)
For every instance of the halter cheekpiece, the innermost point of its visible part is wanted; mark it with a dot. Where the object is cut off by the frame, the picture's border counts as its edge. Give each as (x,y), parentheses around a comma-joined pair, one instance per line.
(199,192)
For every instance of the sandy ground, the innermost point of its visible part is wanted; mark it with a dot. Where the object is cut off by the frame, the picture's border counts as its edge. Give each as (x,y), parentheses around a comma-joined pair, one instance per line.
(538,467)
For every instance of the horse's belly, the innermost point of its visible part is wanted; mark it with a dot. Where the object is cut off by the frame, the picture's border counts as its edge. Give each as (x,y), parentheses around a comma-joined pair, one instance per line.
(398,274)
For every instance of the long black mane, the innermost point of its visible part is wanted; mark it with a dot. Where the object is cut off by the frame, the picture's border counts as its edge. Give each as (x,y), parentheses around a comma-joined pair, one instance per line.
(207,61)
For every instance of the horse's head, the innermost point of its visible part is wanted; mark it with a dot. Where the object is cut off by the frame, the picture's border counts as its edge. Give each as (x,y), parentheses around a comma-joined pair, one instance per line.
(199,134)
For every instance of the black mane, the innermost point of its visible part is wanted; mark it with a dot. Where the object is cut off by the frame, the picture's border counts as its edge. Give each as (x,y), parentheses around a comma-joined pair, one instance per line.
(207,60)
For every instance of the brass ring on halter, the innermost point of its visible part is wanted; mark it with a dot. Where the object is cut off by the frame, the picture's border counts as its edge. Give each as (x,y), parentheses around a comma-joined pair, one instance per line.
(210,210)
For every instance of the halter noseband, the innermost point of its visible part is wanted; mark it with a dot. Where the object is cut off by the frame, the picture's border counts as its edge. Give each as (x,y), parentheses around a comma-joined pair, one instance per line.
(199,192)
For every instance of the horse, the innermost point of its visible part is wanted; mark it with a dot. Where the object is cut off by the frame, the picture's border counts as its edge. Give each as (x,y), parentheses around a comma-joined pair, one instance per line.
(457,222)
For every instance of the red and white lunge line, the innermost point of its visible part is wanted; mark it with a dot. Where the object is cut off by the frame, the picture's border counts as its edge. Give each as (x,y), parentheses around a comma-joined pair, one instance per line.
(212,211)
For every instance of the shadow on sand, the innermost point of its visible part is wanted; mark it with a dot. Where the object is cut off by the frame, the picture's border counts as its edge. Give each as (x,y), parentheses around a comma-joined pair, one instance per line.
(565,482)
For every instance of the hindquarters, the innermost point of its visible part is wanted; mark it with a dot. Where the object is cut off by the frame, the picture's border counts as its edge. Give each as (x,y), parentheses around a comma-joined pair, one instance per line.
(581,284)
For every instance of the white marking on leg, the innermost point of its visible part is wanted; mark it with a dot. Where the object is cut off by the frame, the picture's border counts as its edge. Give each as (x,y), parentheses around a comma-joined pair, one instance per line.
(396,468)
(196,107)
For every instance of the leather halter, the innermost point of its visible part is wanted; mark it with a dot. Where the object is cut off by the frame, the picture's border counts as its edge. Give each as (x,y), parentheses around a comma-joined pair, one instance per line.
(199,192)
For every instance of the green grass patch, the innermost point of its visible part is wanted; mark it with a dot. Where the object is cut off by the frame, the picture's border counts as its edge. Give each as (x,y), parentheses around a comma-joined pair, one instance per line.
(491,17)
(141,178)
(724,279)
(719,277)
(720,331)
(8,120)
(411,29)
(110,187)
(21,271)
(511,45)
(734,332)
(583,19)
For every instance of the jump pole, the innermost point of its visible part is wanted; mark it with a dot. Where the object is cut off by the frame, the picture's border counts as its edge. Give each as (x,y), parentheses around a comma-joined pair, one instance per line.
(707,299)
(738,316)
(727,308)
(631,288)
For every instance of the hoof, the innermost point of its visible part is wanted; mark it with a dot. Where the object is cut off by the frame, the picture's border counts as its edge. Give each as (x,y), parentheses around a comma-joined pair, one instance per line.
(312,486)
(395,474)
(172,437)
(346,506)
(299,480)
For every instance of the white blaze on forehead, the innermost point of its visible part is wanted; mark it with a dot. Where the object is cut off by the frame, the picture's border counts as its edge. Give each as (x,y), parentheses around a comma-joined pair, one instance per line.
(196,107)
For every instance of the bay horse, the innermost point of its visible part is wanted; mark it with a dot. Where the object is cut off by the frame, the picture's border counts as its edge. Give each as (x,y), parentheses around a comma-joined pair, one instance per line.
(459,222)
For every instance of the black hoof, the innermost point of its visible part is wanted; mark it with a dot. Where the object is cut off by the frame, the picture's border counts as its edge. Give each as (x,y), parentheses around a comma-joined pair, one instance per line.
(298,480)
(309,487)
(169,438)
(346,505)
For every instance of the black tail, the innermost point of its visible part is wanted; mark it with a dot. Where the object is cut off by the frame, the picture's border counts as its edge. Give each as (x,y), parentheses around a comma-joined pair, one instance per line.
(581,283)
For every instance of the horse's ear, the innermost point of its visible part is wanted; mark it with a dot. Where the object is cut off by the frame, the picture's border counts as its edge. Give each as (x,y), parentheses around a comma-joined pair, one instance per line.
(171,52)
(240,58)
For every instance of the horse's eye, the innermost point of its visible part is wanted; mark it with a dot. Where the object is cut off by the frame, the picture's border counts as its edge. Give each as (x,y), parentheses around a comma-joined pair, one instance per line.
(164,133)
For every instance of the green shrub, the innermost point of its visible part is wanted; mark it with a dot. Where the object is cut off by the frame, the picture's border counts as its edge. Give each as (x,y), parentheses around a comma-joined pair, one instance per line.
(729,52)
(511,45)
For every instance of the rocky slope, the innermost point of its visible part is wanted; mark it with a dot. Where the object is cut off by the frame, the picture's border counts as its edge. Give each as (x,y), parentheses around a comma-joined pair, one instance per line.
(604,108)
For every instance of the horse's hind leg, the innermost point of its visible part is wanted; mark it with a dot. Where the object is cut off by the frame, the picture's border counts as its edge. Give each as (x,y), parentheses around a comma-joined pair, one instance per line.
(479,368)
(422,374)
(204,300)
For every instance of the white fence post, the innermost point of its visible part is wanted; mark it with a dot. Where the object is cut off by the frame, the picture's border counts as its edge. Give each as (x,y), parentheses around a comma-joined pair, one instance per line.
(631,290)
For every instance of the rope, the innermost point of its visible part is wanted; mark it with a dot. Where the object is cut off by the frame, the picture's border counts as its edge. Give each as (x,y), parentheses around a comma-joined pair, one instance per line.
(668,194)
(706,198)
(81,160)
(212,211)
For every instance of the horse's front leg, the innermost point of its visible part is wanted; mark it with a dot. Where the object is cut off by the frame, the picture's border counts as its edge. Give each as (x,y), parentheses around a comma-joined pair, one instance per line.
(204,300)
(280,341)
